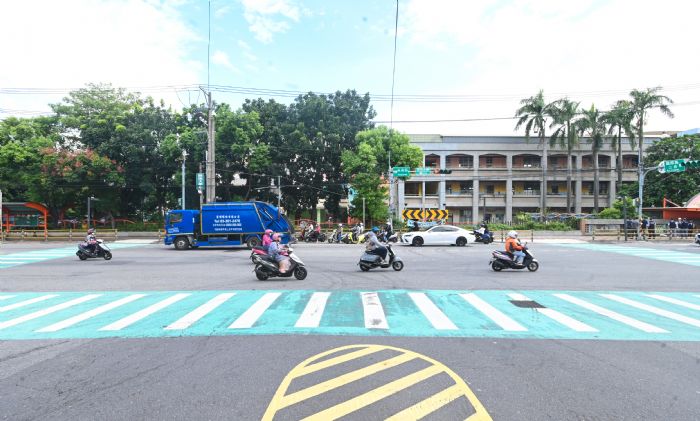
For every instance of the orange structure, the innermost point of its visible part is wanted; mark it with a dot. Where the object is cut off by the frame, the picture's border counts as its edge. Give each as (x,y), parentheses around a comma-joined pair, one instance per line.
(19,214)
(691,211)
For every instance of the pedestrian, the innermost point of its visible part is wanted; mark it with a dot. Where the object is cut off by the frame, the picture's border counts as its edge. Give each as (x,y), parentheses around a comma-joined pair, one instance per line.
(644,223)
(685,228)
(652,228)
(671,228)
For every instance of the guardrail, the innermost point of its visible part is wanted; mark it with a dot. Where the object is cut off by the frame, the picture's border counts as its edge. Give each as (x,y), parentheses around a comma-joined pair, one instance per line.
(55,235)
(665,234)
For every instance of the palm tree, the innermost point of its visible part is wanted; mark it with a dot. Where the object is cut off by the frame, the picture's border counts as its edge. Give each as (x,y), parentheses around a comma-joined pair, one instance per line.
(565,112)
(620,118)
(533,114)
(593,124)
(641,102)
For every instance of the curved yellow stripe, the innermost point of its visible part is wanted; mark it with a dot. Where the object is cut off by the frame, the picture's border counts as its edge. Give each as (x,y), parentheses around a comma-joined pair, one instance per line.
(280,400)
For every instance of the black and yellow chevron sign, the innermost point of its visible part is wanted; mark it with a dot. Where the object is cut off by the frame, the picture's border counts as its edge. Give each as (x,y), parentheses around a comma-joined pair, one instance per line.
(429,214)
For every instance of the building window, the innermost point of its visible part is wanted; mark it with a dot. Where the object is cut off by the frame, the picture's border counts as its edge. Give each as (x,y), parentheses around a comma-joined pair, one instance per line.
(489,162)
(555,189)
(489,189)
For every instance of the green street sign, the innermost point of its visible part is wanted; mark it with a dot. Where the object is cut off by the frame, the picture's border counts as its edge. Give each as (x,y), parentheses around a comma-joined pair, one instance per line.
(424,171)
(674,165)
(401,171)
(200,181)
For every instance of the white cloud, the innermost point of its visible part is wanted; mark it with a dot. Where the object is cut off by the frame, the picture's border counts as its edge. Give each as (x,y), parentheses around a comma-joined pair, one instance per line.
(221,58)
(222,11)
(581,48)
(244,45)
(130,43)
(261,16)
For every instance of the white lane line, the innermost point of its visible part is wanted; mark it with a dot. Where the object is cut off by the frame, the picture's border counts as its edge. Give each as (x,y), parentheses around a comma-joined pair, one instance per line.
(133,318)
(21,258)
(675,301)
(646,327)
(248,319)
(557,316)
(92,313)
(505,322)
(190,318)
(26,302)
(373,311)
(311,317)
(6,297)
(431,311)
(46,311)
(651,309)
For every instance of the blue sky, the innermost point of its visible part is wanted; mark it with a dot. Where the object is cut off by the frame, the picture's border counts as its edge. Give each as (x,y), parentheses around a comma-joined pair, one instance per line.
(478,57)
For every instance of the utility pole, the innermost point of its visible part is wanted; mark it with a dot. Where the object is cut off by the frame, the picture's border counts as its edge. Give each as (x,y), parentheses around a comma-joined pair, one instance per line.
(363,212)
(279,194)
(184,157)
(211,152)
(1,225)
(201,193)
(88,212)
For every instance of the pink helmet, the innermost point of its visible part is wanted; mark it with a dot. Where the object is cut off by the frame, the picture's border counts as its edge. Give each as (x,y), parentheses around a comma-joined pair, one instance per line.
(268,231)
(276,237)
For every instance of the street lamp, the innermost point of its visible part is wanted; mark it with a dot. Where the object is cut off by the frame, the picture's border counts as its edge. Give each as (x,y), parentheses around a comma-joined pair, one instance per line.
(624,214)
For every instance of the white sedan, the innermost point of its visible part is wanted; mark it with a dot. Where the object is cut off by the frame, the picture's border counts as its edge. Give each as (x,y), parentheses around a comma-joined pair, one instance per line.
(439,235)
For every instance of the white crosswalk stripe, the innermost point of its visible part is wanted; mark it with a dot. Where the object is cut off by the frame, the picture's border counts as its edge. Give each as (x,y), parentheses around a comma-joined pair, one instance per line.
(651,309)
(190,318)
(46,311)
(675,301)
(311,316)
(92,313)
(567,321)
(646,327)
(505,322)
(131,319)
(431,312)
(6,297)
(248,319)
(373,311)
(26,302)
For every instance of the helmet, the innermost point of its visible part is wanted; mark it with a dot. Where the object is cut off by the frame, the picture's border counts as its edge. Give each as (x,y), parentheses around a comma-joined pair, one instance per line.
(276,236)
(268,231)
(375,229)
(513,234)
(91,231)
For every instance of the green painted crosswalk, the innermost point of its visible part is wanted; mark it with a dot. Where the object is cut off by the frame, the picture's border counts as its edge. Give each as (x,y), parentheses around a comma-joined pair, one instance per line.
(428,313)
(686,258)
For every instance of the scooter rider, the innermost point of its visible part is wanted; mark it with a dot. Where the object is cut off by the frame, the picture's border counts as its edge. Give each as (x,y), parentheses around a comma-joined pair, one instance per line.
(513,246)
(91,241)
(267,239)
(275,251)
(374,246)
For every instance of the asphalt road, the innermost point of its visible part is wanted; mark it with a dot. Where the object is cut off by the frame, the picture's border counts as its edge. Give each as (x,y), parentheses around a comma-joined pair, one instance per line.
(236,376)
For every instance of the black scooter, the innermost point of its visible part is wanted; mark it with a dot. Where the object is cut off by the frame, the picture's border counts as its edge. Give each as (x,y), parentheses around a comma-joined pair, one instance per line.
(266,267)
(101,250)
(486,237)
(370,261)
(501,260)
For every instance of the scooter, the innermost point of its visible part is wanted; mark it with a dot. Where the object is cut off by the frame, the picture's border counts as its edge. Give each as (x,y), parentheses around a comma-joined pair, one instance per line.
(266,267)
(370,261)
(501,260)
(101,250)
(485,237)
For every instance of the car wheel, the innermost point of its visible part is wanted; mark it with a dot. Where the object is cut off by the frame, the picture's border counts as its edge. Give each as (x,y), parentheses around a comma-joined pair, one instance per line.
(461,241)
(418,241)
(397,266)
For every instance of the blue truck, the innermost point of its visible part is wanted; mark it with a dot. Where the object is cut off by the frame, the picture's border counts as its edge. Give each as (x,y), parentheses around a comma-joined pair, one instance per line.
(225,225)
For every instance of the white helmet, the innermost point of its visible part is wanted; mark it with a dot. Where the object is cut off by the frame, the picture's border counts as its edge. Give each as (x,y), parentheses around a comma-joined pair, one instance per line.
(513,234)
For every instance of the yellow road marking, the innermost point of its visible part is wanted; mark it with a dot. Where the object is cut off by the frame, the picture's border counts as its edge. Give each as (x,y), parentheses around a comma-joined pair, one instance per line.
(427,406)
(343,409)
(343,380)
(280,400)
(336,360)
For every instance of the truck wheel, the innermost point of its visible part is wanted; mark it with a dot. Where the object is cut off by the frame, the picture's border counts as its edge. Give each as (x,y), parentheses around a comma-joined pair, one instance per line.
(182,243)
(253,242)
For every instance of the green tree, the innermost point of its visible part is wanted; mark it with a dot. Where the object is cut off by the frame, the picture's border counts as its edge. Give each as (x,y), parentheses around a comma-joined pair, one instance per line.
(533,114)
(593,124)
(366,166)
(619,119)
(565,115)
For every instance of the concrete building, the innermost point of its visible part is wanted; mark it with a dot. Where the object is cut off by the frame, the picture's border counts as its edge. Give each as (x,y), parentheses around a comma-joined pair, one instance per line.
(497,177)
